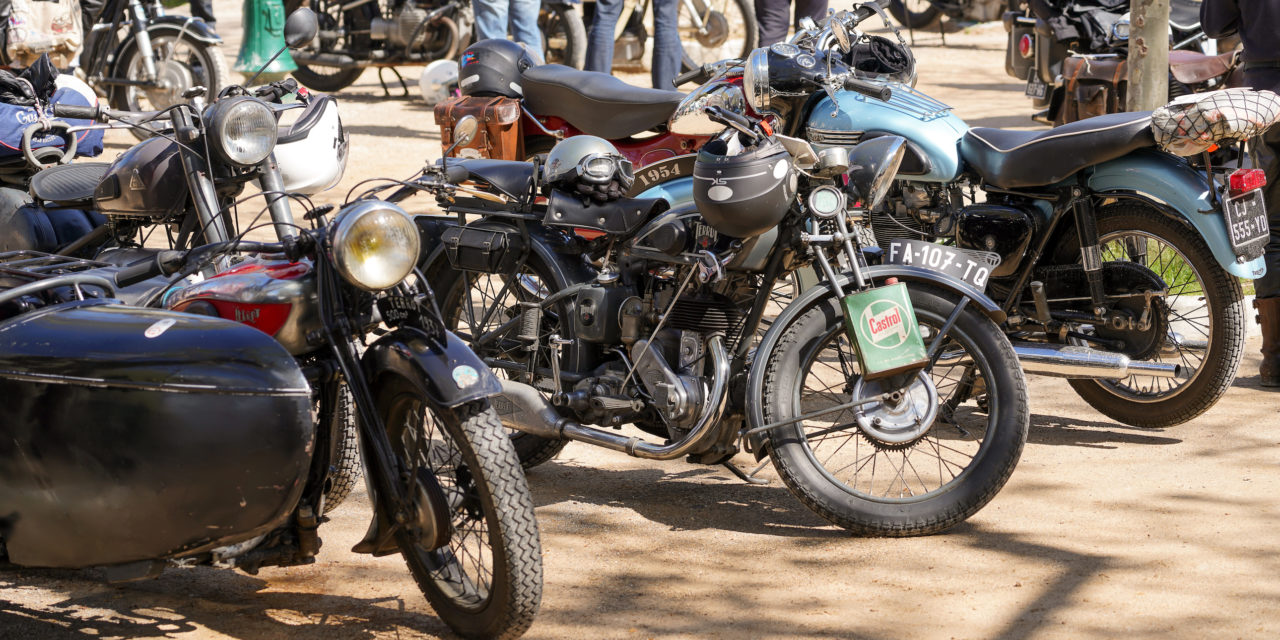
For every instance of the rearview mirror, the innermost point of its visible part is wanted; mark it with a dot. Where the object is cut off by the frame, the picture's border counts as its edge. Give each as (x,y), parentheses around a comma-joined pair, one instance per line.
(465,131)
(841,33)
(301,28)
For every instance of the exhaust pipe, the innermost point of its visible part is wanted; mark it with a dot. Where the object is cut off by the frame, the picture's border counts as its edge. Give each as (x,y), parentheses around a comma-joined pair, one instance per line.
(523,408)
(1071,361)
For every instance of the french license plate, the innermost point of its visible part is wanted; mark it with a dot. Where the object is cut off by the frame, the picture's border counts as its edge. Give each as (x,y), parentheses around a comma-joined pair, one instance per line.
(398,310)
(1036,88)
(881,324)
(973,267)
(1247,224)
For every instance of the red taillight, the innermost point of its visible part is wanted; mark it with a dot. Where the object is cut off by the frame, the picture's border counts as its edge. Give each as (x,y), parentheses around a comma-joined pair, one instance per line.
(1026,46)
(1246,180)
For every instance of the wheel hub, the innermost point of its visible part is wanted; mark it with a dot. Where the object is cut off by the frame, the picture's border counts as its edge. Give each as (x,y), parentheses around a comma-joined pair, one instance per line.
(172,79)
(715,30)
(900,418)
(431,511)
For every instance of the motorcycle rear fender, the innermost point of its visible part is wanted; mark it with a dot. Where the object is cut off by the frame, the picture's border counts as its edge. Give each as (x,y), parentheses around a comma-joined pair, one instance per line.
(451,373)
(758,442)
(1179,191)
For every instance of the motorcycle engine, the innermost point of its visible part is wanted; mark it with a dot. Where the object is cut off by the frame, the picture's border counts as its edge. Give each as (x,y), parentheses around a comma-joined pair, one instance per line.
(407,29)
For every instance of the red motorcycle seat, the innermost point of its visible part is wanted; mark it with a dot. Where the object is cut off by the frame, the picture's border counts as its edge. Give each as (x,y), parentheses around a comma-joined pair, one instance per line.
(596,103)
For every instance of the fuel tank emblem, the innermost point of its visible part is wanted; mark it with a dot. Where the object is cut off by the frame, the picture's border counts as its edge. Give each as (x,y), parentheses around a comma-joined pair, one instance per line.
(159,327)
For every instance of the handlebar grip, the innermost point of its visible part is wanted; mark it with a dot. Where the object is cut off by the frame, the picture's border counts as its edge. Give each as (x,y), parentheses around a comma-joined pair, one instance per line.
(75,112)
(688,76)
(455,173)
(724,116)
(871,89)
(137,272)
(864,11)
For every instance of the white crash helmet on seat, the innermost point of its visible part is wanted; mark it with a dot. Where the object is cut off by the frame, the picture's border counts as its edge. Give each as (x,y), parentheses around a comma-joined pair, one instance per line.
(438,80)
(312,152)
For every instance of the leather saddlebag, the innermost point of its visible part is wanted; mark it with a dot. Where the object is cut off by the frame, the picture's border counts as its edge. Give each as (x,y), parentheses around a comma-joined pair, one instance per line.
(499,135)
(484,250)
(1093,87)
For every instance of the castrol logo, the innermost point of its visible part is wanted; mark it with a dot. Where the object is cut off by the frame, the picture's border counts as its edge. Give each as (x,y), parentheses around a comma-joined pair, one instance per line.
(884,324)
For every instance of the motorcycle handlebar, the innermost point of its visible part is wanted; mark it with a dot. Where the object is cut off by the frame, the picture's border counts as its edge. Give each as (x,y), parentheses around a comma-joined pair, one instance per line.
(701,74)
(455,173)
(76,112)
(870,89)
(161,264)
(864,11)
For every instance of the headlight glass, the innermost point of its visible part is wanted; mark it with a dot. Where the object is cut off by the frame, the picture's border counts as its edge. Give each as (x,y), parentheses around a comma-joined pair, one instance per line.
(243,130)
(755,79)
(375,245)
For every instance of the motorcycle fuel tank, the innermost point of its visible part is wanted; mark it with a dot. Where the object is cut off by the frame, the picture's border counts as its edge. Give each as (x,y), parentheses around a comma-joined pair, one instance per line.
(932,132)
(133,434)
(145,181)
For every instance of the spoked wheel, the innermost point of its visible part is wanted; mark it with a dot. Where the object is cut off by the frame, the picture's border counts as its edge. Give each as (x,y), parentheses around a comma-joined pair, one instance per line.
(320,77)
(564,38)
(714,30)
(926,458)
(180,63)
(486,581)
(914,14)
(1203,331)
(474,304)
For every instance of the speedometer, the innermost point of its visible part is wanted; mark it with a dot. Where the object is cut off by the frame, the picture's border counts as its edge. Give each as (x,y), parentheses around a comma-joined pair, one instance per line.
(785,49)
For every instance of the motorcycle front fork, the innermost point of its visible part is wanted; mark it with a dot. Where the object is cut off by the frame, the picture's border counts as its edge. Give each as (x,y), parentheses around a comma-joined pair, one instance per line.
(143,38)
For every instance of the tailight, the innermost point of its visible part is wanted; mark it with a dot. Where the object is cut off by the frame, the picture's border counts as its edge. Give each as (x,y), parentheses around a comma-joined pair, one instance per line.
(1026,46)
(1243,181)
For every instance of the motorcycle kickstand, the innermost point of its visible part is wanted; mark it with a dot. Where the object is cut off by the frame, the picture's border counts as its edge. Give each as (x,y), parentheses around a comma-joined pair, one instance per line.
(748,478)
(387,92)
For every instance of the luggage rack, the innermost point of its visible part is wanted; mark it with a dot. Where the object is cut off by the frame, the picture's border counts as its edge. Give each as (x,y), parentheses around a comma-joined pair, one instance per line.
(46,271)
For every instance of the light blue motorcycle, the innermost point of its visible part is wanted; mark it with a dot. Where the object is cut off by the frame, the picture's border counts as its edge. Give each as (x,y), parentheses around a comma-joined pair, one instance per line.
(1120,264)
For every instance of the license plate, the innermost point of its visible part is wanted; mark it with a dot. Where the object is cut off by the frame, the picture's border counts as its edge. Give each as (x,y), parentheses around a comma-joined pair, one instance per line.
(1247,224)
(881,324)
(1036,88)
(398,310)
(973,267)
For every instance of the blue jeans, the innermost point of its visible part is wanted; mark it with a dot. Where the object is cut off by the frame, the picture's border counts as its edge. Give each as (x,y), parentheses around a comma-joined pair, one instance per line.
(667,51)
(493,17)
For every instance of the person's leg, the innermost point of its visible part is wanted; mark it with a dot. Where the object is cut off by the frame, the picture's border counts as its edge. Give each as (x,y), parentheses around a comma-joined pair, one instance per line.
(772,17)
(203,9)
(816,9)
(1267,288)
(524,24)
(600,40)
(667,51)
(491,18)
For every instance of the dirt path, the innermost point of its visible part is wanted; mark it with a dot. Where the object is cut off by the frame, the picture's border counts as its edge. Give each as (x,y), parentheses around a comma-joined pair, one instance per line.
(1104,531)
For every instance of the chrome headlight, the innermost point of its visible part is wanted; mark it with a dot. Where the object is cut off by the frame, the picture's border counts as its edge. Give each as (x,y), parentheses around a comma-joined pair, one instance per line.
(375,244)
(755,79)
(242,130)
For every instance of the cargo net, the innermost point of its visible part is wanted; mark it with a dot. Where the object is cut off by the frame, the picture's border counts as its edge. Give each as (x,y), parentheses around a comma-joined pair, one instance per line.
(1194,123)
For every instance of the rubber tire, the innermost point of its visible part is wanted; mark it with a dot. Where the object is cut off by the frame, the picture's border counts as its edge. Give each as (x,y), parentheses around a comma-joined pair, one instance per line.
(327,83)
(516,589)
(345,470)
(532,450)
(749,41)
(980,481)
(1226,310)
(218,71)
(913,19)
(576,34)
(535,145)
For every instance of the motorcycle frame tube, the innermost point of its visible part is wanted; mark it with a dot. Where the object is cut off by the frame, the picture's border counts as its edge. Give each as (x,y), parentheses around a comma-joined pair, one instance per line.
(273,190)
(1178,190)
(203,193)
(757,442)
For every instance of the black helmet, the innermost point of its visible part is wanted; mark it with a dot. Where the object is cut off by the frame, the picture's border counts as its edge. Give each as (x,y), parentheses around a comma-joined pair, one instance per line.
(493,68)
(746,194)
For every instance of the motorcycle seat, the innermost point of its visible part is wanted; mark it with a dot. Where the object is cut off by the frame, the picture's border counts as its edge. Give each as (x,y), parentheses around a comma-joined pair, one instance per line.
(597,103)
(1184,15)
(1018,159)
(511,178)
(70,184)
(1191,67)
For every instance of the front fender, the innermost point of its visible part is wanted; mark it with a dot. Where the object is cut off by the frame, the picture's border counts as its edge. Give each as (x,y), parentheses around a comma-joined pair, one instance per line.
(1179,191)
(195,28)
(451,373)
(755,379)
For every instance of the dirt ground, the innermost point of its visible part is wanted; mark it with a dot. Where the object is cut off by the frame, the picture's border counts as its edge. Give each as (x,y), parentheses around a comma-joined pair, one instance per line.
(1103,531)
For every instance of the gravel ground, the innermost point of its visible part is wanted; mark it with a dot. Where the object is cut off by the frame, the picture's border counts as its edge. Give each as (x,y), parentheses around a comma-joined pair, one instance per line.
(1103,531)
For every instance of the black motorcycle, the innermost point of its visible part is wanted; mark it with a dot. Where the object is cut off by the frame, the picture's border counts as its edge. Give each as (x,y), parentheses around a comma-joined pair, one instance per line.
(624,312)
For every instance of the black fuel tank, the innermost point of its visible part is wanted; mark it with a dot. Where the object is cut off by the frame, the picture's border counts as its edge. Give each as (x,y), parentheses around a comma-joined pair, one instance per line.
(145,181)
(130,434)
(1004,230)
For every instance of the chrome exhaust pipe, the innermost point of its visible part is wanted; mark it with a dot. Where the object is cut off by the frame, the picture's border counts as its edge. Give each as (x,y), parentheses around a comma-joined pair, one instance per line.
(523,408)
(1072,361)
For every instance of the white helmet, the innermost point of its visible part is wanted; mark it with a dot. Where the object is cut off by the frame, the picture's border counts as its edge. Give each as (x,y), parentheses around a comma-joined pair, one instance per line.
(312,152)
(438,81)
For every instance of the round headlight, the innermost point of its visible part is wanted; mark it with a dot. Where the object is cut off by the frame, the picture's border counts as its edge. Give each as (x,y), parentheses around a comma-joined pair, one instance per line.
(755,79)
(242,129)
(375,244)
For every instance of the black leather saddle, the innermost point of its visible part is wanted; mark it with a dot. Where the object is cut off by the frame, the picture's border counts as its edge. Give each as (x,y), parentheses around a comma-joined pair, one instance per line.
(1020,159)
(69,185)
(618,217)
(597,103)
(511,178)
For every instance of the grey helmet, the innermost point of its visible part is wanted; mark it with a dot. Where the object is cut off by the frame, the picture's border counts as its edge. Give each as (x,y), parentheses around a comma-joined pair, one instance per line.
(590,166)
(745,194)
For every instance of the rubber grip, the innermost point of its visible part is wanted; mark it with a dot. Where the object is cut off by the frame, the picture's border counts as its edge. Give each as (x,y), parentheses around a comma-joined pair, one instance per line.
(721,114)
(687,76)
(863,11)
(138,271)
(455,173)
(75,111)
(873,90)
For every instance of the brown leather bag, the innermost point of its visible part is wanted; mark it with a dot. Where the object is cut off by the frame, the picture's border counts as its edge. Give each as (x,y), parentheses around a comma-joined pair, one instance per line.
(1093,87)
(499,135)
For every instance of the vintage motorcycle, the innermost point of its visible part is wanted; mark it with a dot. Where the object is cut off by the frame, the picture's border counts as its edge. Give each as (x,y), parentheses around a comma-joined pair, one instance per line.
(356,36)
(622,311)
(1120,262)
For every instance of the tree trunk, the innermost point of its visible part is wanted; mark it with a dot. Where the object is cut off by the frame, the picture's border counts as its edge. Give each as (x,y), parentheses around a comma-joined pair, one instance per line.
(1148,54)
